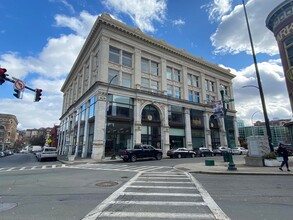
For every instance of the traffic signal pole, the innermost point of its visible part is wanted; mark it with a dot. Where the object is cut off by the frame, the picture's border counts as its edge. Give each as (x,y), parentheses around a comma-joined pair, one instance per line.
(4,77)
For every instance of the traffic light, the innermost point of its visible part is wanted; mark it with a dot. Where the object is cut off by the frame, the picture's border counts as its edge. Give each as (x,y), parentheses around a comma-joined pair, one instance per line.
(2,75)
(17,94)
(38,95)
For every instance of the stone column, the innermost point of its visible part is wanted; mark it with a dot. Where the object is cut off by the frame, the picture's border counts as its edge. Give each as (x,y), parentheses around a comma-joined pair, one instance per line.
(78,112)
(86,131)
(100,129)
(104,59)
(207,131)
(203,90)
(165,131)
(137,121)
(90,71)
(188,138)
(137,68)
(185,84)
(164,78)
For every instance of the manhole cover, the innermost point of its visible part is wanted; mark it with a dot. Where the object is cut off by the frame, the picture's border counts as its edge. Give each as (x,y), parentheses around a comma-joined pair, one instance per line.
(106,184)
(7,206)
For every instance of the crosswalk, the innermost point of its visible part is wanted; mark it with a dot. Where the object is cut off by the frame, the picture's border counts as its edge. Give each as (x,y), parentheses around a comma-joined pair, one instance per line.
(53,166)
(157,195)
(110,167)
(122,167)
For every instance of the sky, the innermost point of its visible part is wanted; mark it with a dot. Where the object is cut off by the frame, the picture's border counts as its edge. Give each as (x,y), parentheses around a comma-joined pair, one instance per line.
(40,40)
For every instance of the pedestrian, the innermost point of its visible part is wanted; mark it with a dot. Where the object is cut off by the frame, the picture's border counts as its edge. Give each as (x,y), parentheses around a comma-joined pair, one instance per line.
(282,152)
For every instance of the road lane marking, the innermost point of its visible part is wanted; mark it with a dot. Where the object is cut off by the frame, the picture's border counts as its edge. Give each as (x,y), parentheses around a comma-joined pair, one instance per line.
(157,215)
(163,203)
(213,206)
(54,166)
(98,210)
(34,167)
(163,187)
(12,168)
(178,178)
(159,194)
(165,182)
(22,168)
(44,167)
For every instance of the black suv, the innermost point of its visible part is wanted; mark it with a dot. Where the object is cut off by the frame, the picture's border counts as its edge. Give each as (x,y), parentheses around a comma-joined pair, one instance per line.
(203,152)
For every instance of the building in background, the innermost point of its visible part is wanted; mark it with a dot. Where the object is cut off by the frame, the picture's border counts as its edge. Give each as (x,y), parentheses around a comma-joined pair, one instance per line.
(280,133)
(8,131)
(54,134)
(127,88)
(280,22)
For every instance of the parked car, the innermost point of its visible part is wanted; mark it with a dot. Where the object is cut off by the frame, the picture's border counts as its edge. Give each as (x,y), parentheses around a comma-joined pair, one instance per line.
(180,152)
(47,153)
(36,149)
(8,152)
(243,150)
(2,154)
(140,151)
(236,150)
(217,151)
(203,152)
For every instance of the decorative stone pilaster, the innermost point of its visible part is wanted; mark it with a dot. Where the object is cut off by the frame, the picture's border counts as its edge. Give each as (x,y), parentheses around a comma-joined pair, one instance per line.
(188,137)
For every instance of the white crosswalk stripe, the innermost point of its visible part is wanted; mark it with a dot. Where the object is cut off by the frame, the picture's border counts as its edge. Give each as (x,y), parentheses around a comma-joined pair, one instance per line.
(158,195)
(126,168)
(54,166)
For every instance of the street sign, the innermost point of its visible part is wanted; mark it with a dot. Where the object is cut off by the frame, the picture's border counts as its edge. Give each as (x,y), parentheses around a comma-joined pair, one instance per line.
(19,85)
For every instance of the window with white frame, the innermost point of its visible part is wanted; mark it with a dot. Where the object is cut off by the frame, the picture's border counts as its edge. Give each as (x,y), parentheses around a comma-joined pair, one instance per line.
(190,95)
(209,85)
(145,82)
(193,96)
(177,92)
(176,75)
(192,80)
(169,73)
(149,66)
(111,74)
(126,59)
(189,79)
(126,80)
(154,85)
(115,54)
(170,90)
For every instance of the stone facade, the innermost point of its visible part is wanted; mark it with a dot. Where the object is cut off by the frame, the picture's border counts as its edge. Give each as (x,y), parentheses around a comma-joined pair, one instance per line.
(8,131)
(127,87)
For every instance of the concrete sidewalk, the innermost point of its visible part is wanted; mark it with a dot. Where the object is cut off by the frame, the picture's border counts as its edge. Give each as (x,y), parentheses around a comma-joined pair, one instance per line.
(220,167)
(242,169)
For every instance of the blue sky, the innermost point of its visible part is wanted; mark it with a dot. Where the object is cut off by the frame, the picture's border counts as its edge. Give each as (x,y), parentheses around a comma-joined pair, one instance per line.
(40,40)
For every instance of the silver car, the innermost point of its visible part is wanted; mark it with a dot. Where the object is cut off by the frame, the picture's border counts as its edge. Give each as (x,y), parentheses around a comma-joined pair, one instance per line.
(47,153)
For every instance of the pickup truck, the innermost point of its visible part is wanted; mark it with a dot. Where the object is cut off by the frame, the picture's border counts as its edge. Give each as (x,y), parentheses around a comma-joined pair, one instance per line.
(140,151)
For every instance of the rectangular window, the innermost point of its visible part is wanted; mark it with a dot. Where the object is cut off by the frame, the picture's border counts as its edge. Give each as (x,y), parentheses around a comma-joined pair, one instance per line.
(169,90)
(144,65)
(154,86)
(169,73)
(212,86)
(114,55)
(176,75)
(126,80)
(190,95)
(126,59)
(92,107)
(154,68)
(195,81)
(206,85)
(177,92)
(111,74)
(83,108)
(189,81)
(196,97)
(145,82)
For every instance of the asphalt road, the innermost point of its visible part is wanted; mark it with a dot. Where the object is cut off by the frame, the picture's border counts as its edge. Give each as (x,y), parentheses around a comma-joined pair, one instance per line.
(49,190)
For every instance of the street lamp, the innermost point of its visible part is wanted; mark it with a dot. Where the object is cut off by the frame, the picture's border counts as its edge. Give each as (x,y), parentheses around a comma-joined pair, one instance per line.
(231,165)
(267,122)
(252,121)
(106,110)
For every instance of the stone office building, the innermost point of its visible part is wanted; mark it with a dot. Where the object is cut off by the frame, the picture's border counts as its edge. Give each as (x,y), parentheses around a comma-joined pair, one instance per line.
(8,131)
(127,87)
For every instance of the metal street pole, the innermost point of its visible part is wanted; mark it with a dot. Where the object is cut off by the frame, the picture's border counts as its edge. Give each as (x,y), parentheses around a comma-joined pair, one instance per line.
(106,110)
(267,122)
(231,165)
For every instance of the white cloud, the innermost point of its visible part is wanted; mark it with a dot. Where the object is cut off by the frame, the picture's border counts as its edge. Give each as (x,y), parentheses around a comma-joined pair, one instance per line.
(218,8)
(247,100)
(178,22)
(142,12)
(231,35)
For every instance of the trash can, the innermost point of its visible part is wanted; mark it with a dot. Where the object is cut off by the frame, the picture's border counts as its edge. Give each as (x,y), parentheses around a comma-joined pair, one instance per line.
(226,156)
(209,162)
